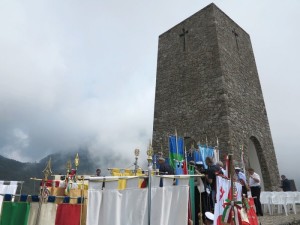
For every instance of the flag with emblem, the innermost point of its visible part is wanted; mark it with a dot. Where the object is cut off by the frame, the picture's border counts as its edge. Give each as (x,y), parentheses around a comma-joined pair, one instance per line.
(176,153)
(223,193)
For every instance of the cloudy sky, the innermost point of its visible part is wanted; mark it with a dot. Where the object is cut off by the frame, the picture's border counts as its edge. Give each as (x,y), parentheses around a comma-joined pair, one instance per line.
(82,73)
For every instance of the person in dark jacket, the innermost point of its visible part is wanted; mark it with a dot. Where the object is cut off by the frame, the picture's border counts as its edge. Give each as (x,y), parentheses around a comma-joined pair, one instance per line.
(164,168)
(285,183)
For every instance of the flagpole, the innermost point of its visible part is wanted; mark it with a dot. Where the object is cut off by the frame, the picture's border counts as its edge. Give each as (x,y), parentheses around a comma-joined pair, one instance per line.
(176,139)
(231,183)
(47,171)
(82,197)
(185,156)
(149,159)
(217,150)
(242,159)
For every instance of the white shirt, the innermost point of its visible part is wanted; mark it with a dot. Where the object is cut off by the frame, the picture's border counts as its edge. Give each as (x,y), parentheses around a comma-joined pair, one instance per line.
(242,176)
(252,182)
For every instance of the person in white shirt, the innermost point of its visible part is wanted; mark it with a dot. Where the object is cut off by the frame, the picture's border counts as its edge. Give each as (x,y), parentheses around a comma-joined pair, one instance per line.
(242,179)
(254,183)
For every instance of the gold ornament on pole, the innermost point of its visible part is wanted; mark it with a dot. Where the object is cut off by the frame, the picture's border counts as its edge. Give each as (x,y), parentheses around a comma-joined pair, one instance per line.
(68,167)
(76,161)
(149,153)
(136,153)
(47,171)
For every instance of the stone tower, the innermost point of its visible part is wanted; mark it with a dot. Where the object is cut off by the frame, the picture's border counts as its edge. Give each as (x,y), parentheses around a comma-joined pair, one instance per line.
(207,87)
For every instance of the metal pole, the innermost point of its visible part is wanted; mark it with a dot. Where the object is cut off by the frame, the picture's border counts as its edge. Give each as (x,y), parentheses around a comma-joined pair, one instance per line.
(149,193)
(200,216)
(149,159)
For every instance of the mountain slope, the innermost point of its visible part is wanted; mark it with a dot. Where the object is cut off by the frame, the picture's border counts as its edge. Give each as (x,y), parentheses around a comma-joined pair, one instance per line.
(13,170)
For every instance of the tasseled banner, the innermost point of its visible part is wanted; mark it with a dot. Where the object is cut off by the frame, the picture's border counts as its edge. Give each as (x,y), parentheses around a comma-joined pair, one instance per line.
(232,207)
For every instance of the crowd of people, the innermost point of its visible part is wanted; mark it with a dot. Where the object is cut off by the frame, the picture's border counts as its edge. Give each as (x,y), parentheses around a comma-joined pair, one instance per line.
(205,186)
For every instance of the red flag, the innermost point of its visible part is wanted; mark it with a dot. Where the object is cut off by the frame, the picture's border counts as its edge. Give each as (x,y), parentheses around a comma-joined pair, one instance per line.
(144,183)
(50,183)
(184,169)
(73,212)
(252,217)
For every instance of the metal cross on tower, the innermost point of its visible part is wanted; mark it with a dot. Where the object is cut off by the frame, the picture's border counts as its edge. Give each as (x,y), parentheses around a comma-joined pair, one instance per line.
(184,32)
(236,36)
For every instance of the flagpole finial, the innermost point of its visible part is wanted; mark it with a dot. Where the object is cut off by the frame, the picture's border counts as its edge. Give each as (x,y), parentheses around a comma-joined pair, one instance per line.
(47,171)
(76,161)
(149,154)
(136,153)
(68,166)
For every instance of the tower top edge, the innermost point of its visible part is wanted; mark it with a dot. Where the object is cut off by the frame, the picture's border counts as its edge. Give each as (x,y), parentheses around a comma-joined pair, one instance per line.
(211,6)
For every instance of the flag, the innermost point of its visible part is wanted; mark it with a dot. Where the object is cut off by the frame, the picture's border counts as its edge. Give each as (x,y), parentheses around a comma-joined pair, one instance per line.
(252,217)
(223,187)
(14,213)
(73,212)
(185,169)
(205,151)
(176,152)
(224,193)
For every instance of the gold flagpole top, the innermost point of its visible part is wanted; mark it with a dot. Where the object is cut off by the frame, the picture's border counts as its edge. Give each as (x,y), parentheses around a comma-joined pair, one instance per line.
(149,152)
(47,171)
(68,166)
(76,161)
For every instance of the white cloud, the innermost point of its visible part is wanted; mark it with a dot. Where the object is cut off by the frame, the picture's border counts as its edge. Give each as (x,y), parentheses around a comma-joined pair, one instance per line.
(82,73)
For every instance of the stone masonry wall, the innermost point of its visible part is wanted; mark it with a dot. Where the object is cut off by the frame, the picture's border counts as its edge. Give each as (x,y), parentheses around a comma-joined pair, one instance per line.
(207,87)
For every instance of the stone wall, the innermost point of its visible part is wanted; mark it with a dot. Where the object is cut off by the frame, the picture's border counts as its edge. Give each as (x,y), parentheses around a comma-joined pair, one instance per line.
(208,87)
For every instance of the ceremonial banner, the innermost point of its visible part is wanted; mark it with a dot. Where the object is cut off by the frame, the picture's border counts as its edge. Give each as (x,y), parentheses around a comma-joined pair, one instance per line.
(14,213)
(176,147)
(33,212)
(252,217)
(121,207)
(7,189)
(47,214)
(169,206)
(68,214)
(223,193)
(205,151)
(94,205)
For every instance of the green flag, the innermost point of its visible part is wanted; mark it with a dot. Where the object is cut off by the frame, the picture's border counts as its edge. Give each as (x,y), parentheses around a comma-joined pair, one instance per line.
(14,213)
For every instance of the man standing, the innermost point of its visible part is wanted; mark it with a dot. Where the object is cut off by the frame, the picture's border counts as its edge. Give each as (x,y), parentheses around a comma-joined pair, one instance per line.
(164,168)
(242,179)
(211,173)
(285,183)
(200,192)
(254,183)
(98,172)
